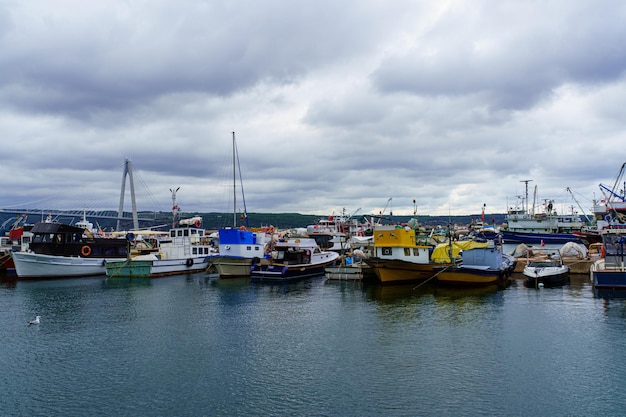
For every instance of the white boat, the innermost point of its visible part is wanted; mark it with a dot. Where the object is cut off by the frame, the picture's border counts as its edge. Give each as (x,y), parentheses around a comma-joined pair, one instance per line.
(338,233)
(187,250)
(546,271)
(292,259)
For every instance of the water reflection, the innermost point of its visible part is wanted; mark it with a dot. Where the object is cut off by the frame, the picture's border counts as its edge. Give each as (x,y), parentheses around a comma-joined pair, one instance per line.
(8,281)
(400,293)
(289,287)
(117,283)
(468,292)
(609,294)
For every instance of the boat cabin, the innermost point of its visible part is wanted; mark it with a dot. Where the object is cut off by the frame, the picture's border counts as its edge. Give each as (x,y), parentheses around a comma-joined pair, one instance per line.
(295,251)
(66,240)
(614,243)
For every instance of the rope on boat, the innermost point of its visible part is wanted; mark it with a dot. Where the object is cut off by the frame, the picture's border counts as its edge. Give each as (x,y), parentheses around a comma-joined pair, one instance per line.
(438,272)
(118,269)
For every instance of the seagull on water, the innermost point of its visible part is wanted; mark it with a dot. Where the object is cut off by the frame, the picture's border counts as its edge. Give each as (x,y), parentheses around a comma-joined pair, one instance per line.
(35,321)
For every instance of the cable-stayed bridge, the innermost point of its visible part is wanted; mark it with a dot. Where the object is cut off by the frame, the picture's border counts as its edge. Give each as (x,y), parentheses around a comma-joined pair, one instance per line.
(43,209)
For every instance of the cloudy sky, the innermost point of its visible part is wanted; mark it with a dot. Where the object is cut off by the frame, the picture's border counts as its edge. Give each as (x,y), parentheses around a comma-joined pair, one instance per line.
(334,104)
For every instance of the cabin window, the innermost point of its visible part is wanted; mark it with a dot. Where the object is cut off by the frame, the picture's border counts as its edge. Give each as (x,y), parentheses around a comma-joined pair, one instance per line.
(110,251)
(416,252)
(194,232)
(386,251)
(407,251)
(194,251)
(248,247)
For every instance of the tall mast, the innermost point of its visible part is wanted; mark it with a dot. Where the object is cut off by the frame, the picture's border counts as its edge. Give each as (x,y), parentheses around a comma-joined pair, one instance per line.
(234,186)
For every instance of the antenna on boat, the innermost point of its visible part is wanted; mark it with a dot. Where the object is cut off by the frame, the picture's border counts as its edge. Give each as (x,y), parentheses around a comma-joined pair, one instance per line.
(525,206)
(175,208)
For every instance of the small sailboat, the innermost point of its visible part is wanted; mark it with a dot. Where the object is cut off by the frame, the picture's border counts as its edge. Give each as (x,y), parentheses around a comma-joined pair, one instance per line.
(239,248)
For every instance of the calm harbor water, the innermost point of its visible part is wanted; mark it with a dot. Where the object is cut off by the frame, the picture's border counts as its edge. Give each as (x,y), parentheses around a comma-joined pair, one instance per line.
(200,346)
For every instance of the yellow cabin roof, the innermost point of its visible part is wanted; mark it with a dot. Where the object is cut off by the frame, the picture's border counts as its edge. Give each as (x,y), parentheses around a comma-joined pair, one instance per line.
(395,236)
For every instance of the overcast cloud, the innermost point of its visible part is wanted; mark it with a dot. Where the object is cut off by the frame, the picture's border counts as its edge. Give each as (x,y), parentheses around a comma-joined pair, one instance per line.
(334,104)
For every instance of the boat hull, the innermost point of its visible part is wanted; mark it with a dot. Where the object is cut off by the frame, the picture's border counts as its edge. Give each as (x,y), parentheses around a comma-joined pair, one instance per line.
(235,267)
(283,273)
(538,238)
(555,278)
(29,265)
(399,271)
(7,264)
(472,277)
(155,268)
(608,279)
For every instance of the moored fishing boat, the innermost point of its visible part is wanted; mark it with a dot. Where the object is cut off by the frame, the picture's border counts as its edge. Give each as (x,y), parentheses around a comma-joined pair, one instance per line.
(58,250)
(400,255)
(609,272)
(187,249)
(239,250)
(292,259)
(526,225)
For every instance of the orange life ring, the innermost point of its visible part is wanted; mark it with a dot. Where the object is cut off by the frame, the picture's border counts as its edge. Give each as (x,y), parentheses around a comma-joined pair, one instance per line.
(197,223)
(85,250)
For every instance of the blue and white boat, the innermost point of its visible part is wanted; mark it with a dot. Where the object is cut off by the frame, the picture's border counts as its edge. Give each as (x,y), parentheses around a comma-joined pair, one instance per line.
(293,259)
(239,251)
(609,272)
